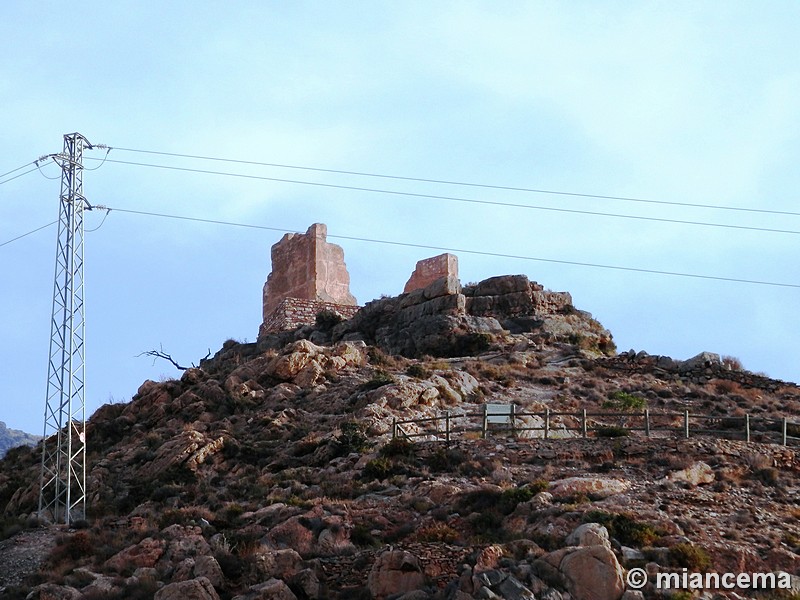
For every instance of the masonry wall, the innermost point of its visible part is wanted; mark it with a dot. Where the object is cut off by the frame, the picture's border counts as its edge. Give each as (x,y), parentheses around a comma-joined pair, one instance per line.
(292,313)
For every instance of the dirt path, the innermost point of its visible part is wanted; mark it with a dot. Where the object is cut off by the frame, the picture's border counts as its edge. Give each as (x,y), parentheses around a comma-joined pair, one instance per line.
(23,554)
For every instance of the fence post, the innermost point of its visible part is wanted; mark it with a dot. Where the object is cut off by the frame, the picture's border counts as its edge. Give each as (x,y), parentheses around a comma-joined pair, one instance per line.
(647,422)
(583,423)
(512,414)
(686,423)
(447,427)
(485,421)
(784,430)
(394,427)
(546,423)
(747,427)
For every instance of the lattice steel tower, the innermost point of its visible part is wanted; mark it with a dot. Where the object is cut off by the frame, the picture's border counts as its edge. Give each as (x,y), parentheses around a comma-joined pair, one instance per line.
(62,492)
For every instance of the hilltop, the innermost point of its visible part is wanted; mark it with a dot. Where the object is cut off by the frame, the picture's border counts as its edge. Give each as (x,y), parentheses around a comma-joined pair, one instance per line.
(10,438)
(271,471)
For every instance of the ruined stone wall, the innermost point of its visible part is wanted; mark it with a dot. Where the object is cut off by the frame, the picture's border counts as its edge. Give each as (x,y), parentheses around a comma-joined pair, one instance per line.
(292,313)
(307,267)
(698,370)
(431,269)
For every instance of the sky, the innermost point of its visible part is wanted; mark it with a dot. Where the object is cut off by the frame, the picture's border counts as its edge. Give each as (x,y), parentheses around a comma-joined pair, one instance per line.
(683,103)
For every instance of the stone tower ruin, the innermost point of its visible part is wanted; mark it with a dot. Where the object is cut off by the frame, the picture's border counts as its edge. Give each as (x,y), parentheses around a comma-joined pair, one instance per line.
(308,276)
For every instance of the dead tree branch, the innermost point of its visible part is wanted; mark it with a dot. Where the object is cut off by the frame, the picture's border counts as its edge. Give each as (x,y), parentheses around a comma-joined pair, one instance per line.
(161,354)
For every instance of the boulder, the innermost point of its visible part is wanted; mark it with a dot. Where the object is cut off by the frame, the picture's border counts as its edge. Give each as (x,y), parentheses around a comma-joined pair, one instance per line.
(444,286)
(144,554)
(307,584)
(208,567)
(51,591)
(589,534)
(701,361)
(272,589)
(282,564)
(353,353)
(287,367)
(488,558)
(593,573)
(502,284)
(497,584)
(596,487)
(102,585)
(394,572)
(292,534)
(193,589)
(183,541)
(697,474)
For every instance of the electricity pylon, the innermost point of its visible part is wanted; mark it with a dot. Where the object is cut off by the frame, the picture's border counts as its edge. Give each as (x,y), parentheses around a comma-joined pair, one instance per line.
(62,491)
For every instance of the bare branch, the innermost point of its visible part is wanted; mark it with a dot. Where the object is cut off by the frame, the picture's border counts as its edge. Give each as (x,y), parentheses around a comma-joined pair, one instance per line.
(161,354)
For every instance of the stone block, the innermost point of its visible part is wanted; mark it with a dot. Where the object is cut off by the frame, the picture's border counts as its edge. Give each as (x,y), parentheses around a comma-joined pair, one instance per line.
(504,284)
(444,286)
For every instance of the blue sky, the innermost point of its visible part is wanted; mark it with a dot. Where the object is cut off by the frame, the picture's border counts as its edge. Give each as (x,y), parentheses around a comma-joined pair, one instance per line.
(691,102)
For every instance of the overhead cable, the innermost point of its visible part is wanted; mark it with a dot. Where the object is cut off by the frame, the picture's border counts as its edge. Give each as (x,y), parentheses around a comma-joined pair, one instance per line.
(17,176)
(459,199)
(19,237)
(463,250)
(462,183)
(17,169)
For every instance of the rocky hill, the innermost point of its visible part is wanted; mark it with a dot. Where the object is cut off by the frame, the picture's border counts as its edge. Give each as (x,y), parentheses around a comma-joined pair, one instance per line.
(10,438)
(271,471)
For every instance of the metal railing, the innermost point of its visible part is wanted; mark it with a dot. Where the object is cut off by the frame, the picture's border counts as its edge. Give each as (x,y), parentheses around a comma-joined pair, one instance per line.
(453,425)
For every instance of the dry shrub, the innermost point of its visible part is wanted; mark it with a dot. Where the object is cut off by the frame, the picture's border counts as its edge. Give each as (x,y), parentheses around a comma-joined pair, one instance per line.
(732,363)
(379,358)
(436,532)
(726,386)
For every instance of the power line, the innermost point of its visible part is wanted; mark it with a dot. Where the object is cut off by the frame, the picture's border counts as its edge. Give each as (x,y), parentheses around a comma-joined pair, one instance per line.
(17,169)
(19,237)
(458,199)
(464,251)
(463,183)
(17,176)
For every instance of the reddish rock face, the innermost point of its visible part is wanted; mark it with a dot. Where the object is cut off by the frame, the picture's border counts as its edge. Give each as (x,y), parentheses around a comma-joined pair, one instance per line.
(306,266)
(431,269)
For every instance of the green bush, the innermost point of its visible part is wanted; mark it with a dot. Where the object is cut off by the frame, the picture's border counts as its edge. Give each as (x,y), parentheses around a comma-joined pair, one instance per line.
(511,497)
(612,432)
(626,530)
(469,344)
(398,447)
(690,556)
(351,439)
(620,400)
(379,379)
(437,532)
(361,535)
(539,485)
(378,468)
(328,319)
(418,371)
(769,476)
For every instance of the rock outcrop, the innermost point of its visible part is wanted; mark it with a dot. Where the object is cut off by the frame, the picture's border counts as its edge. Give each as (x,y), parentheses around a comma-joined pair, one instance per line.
(443,319)
(11,438)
